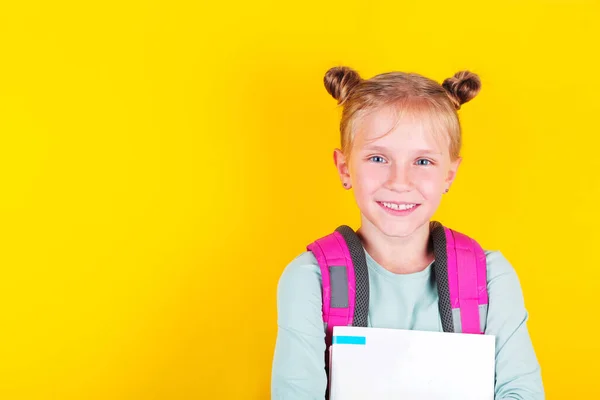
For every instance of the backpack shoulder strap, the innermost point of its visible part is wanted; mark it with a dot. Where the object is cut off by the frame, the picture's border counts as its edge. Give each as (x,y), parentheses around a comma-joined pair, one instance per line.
(461,275)
(344,276)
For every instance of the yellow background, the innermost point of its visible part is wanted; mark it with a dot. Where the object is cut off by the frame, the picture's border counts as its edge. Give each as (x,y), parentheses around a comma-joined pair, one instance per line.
(161,162)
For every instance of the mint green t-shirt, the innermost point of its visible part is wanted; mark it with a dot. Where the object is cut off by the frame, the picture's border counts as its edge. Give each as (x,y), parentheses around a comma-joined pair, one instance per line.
(400,301)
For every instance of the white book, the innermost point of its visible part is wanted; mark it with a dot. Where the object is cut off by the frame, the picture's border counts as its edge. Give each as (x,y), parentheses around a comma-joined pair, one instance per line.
(381,364)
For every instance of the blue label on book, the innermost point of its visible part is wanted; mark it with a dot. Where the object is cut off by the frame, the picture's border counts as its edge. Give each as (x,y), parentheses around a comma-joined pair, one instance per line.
(349,340)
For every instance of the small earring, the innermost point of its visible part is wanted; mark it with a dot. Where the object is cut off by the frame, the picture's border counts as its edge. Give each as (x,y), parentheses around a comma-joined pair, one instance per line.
(447,190)
(345,184)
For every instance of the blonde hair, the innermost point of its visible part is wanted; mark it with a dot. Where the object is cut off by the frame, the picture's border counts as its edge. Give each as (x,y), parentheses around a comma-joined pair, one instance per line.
(406,92)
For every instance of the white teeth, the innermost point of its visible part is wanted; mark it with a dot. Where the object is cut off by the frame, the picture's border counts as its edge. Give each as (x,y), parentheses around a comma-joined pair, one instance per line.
(399,206)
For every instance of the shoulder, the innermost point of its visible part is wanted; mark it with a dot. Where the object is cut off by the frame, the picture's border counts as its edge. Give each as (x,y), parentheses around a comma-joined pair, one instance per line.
(299,300)
(497,265)
(302,267)
(502,278)
(301,275)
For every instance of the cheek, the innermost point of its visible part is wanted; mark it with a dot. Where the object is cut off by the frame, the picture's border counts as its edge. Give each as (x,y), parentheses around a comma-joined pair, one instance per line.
(370,176)
(430,181)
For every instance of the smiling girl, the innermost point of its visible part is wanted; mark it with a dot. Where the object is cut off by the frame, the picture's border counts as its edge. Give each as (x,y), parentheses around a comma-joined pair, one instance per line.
(400,153)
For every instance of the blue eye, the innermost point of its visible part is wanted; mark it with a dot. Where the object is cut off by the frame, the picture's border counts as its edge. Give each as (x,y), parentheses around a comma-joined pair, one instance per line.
(377,159)
(423,161)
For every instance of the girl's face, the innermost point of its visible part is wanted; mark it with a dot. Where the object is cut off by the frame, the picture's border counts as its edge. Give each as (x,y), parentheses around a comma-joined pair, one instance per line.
(398,177)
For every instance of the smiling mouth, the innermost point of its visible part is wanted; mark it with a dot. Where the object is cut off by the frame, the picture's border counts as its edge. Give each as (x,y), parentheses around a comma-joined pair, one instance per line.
(398,206)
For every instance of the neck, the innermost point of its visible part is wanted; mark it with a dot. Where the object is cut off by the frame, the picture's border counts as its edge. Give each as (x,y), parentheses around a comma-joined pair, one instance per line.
(400,255)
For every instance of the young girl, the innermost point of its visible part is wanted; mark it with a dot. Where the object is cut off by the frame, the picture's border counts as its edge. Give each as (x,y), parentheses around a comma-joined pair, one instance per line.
(400,152)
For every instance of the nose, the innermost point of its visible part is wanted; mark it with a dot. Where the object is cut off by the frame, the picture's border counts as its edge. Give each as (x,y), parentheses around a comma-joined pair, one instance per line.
(399,179)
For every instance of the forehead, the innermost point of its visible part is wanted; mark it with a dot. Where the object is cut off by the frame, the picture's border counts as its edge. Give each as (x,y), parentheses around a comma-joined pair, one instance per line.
(397,130)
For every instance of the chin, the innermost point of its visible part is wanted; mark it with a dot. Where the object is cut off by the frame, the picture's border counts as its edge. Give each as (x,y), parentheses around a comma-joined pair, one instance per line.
(398,229)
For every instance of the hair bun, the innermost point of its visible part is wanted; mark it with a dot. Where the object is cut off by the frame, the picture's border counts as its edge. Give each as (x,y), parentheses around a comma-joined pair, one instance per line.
(462,87)
(339,81)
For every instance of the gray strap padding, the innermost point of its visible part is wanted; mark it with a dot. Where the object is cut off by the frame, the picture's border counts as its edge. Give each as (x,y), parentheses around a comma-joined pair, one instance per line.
(440,270)
(338,278)
(483,308)
(361,273)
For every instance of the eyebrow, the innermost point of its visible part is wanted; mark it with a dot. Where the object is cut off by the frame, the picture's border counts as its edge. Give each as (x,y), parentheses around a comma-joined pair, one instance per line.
(384,149)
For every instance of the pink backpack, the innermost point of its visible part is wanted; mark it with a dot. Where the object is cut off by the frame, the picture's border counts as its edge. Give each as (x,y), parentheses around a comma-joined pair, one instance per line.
(459,270)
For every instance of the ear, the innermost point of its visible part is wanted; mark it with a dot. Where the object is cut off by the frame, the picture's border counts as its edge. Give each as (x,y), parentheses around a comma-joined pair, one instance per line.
(452,171)
(341,163)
